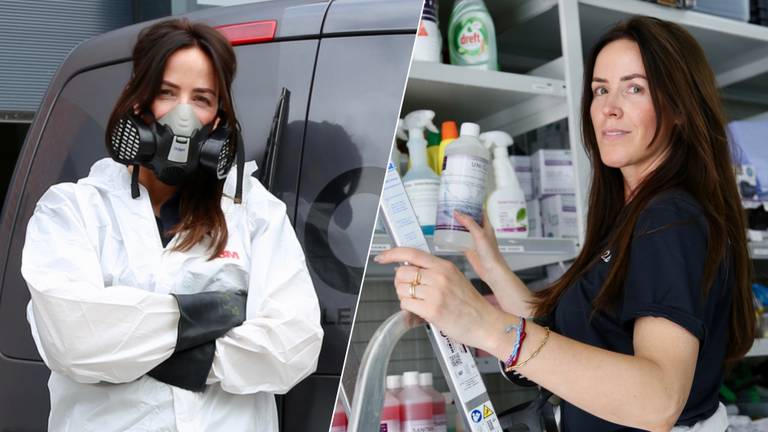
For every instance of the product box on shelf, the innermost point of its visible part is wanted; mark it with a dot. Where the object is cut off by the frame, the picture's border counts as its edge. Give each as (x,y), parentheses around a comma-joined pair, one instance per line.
(734,9)
(534,218)
(524,173)
(558,215)
(553,172)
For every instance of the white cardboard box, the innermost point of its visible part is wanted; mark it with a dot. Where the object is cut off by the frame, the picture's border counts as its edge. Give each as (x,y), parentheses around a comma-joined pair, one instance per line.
(534,218)
(558,215)
(552,172)
(524,173)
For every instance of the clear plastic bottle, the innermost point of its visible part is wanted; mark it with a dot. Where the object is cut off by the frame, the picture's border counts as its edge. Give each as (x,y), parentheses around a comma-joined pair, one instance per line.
(390,413)
(420,182)
(416,410)
(395,384)
(471,36)
(462,188)
(438,407)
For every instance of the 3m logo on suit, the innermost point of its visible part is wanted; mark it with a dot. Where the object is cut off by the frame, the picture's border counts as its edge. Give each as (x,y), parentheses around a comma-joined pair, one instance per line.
(228,254)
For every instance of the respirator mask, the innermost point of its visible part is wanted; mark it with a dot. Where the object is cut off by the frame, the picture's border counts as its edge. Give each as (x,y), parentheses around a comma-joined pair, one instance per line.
(175,146)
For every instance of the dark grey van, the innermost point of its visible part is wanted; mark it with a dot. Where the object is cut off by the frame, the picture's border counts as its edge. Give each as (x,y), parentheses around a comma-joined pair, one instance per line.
(318,104)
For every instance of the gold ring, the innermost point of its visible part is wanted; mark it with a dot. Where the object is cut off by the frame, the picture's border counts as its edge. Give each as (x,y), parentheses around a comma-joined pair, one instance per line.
(416,282)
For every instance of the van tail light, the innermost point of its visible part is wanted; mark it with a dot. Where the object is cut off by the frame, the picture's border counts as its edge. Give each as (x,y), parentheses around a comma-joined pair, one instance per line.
(249,32)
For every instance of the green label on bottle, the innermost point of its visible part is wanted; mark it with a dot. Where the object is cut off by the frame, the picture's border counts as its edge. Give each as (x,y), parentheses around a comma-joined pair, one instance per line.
(472,40)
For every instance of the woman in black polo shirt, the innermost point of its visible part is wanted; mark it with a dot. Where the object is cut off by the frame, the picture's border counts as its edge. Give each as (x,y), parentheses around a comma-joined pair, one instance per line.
(659,298)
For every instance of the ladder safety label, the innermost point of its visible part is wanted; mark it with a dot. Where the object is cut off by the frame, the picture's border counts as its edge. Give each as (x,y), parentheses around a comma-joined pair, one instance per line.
(485,419)
(487,411)
(477,416)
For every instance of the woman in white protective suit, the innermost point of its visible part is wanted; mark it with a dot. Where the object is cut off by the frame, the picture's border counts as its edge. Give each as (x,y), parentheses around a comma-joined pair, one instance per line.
(168,291)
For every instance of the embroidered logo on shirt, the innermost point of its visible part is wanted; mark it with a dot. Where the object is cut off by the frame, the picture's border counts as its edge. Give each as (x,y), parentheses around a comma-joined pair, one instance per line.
(606,256)
(228,254)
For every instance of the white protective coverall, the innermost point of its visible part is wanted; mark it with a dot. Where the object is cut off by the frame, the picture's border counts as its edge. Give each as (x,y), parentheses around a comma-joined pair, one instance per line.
(102,317)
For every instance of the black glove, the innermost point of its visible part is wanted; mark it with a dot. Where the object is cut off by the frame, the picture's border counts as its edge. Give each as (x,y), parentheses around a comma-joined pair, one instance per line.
(203,317)
(187,369)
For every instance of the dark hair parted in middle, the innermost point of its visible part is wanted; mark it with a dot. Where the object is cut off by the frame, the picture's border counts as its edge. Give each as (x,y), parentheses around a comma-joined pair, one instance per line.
(200,206)
(698,160)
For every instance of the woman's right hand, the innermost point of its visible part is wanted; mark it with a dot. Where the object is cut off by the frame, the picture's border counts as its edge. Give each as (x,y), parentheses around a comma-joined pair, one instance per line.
(485,258)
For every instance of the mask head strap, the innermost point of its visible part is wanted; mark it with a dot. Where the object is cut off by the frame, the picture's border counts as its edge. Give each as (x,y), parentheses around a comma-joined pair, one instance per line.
(135,181)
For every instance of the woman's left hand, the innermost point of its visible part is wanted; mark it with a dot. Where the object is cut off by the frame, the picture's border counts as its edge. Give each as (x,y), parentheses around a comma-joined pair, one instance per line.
(444,297)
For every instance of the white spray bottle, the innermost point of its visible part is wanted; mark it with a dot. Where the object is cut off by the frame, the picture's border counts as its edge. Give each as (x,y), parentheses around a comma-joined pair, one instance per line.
(421,183)
(506,204)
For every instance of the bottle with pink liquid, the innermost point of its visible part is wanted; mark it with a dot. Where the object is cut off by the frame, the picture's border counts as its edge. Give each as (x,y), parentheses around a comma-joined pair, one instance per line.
(390,413)
(339,423)
(416,409)
(438,407)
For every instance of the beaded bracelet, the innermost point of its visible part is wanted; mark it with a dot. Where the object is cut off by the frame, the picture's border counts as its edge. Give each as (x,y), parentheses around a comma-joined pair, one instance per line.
(517,347)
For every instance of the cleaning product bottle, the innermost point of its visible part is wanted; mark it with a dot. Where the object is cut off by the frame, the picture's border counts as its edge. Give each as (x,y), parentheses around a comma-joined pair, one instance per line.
(438,401)
(433,150)
(462,188)
(428,43)
(506,204)
(421,183)
(396,156)
(390,413)
(395,384)
(339,422)
(416,409)
(449,133)
(471,36)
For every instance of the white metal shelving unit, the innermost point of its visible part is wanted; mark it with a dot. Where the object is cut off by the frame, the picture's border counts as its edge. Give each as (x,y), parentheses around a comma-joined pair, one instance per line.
(520,254)
(547,88)
(759,349)
(759,250)
(542,44)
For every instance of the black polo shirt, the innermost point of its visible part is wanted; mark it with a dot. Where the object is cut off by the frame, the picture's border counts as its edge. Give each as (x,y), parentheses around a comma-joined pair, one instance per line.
(169,217)
(664,279)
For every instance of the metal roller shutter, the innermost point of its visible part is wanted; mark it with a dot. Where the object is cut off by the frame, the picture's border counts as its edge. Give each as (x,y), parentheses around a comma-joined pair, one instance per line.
(36,36)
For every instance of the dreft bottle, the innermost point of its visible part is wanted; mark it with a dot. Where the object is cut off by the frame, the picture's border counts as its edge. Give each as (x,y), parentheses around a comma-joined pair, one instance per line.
(416,409)
(421,183)
(506,204)
(471,36)
(462,188)
(438,402)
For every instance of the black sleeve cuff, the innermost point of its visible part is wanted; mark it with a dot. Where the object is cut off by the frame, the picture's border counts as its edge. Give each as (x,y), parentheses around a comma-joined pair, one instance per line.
(187,369)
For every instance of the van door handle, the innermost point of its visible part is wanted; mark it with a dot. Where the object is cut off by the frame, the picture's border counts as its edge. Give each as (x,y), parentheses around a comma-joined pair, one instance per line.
(267,172)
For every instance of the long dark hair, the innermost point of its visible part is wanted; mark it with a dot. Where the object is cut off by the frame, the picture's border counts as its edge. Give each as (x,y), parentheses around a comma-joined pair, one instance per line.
(201,213)
(682,86)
